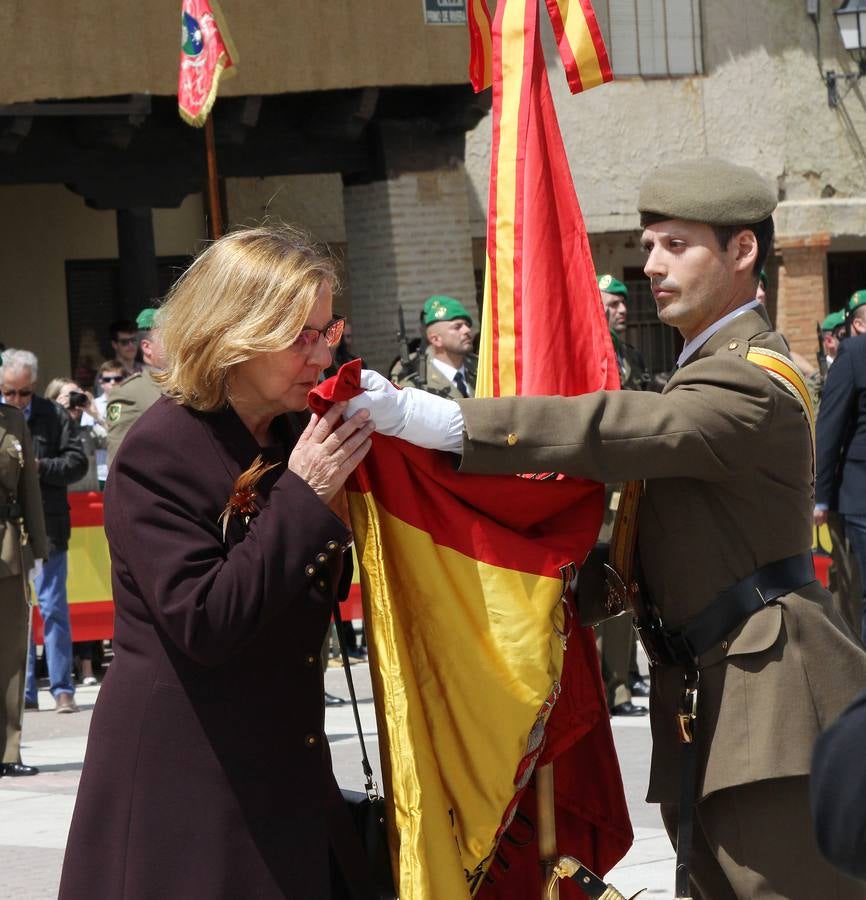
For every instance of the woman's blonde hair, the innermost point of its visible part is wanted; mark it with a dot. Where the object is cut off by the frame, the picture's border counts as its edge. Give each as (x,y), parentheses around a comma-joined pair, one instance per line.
(250,292)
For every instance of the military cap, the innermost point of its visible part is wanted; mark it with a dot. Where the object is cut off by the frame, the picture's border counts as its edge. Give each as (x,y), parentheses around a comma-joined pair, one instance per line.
(858,298)
(711,191)
(146,318)
(834,320)
(439,308)
(611,285)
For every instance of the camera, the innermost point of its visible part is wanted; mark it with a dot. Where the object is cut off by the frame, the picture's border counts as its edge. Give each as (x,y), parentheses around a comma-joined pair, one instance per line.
(77,399)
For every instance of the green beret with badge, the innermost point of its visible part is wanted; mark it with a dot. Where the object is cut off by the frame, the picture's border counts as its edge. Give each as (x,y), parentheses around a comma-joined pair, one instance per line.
(707,190)
(611,285)
(440,308)
(146,318)
(834,320)
(858,298)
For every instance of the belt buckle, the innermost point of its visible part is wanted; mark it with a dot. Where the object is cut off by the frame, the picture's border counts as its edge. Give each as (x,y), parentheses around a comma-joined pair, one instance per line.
(688,710)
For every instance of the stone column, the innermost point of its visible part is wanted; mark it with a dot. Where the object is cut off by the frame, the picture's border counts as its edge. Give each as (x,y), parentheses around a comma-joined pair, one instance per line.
(407,237)
(802,293)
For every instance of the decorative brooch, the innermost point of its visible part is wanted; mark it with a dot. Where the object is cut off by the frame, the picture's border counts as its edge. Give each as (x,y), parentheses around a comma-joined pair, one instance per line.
(242,501)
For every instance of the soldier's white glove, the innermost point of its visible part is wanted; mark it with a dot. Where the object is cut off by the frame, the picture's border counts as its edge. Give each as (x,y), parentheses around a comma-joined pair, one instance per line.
(418,417)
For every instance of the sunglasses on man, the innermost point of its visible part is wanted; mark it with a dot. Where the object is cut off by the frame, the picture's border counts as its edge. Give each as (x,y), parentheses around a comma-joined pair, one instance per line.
(111,379)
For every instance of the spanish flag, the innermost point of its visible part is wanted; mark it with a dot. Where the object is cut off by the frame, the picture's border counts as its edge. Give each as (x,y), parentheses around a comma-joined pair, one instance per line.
(480,672)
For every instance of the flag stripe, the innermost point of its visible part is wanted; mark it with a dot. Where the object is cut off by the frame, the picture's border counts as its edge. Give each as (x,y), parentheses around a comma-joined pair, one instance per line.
(580,43)
(480,45)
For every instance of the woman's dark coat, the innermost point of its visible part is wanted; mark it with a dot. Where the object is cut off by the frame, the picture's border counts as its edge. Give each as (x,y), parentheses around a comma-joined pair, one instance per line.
(208,773)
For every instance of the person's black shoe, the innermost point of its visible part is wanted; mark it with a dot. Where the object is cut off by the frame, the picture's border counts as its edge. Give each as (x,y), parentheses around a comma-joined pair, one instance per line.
(17,769)
(331,700)
(31,704)
(639,688)
(628,709)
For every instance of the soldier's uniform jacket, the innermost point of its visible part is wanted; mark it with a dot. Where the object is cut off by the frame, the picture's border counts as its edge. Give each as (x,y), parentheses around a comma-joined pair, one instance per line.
(128,401)
(436,382)
(727,458)
(19,485)
(632,368)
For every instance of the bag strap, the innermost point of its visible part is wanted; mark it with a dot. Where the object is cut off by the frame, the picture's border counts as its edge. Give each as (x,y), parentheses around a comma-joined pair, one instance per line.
(371,787)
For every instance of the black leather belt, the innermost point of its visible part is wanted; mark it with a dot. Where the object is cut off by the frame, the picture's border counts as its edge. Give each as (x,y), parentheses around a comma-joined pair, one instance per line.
(684,644)
(10,511)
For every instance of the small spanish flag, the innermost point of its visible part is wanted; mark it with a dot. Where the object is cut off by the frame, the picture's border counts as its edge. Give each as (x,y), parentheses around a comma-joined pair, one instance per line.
(206,52)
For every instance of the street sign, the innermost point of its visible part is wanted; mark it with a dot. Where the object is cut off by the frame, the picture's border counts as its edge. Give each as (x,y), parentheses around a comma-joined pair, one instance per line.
(444,12)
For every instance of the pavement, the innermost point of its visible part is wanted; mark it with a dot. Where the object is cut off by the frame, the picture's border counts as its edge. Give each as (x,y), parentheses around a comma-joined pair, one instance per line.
(35,812)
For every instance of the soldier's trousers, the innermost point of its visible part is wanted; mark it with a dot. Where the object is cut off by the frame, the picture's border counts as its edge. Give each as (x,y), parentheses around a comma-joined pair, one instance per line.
(14,611)
(755,842)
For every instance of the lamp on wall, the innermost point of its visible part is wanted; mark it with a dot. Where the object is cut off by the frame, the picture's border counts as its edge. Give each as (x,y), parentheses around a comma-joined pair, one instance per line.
(851,19)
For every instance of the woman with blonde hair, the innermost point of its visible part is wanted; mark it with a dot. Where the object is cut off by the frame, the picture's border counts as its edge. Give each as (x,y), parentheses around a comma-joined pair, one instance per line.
(208,773)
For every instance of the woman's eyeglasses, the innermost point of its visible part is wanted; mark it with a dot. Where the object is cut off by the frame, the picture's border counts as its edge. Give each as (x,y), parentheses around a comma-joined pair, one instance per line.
(332,332)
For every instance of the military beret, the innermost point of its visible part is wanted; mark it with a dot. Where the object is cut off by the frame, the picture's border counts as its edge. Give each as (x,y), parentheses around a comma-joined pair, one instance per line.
(858,298)
(439,308)
(762,278)
(611,285)
(834,320)
(711,191)
(145,319)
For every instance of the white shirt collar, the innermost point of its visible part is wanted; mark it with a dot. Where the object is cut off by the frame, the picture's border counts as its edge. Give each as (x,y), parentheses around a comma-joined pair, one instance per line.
(696,343)
(447,369)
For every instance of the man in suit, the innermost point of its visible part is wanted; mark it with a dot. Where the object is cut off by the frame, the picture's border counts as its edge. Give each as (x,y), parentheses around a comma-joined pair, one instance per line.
(450,367)
(722,459)
(840,485)
(60,461)
(22,541)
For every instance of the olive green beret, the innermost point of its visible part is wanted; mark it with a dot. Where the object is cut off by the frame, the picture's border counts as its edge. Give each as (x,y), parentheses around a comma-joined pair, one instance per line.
(858,298)
(611,285)
(145,319)
(439,308)
(762,278)
(834,320)
(711,191)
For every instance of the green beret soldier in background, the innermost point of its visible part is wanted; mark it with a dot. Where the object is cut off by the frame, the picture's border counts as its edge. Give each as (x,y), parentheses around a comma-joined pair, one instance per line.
(139,392)
(444,364)
(750,659)
(22,541)
(633,375)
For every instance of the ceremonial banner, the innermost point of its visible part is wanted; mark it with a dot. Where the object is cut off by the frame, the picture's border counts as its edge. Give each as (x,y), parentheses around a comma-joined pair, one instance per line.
(206,51)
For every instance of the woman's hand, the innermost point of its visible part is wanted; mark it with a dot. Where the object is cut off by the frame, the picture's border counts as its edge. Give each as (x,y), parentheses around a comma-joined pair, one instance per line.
(326,455)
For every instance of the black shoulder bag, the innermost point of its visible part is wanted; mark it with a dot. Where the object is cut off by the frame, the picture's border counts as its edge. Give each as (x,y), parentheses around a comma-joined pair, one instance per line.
(367,809)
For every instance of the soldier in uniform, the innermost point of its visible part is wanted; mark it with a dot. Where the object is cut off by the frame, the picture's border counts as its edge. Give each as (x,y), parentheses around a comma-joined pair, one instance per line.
(22,541)
(139,392)
(615,637)
(722,466)
(449,367)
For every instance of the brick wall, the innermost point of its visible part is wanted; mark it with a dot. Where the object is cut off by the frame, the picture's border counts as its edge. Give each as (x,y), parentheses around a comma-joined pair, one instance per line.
(407,238)
(802,290)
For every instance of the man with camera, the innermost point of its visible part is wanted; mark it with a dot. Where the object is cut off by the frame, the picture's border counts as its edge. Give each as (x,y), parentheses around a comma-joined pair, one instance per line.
(60,460)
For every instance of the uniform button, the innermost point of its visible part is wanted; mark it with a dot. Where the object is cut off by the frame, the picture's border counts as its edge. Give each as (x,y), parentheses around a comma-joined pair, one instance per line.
(311,659)
(724,645)
(310,570)
(321,584)
(321,558)
(733,345)
(511,440)
(332,546)
(311,740)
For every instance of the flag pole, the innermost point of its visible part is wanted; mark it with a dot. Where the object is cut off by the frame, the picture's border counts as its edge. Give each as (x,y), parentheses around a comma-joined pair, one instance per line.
(547,853)
(215,222)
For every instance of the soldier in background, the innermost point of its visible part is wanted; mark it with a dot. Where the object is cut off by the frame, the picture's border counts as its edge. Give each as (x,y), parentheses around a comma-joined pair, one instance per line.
(615,638)
(139,392)
(447,366)
(22,541)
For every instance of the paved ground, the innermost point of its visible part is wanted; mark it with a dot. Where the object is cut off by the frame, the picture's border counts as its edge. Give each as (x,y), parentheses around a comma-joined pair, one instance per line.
(35,812)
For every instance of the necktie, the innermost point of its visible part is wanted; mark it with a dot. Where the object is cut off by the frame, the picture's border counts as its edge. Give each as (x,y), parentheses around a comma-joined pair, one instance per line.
(460,383)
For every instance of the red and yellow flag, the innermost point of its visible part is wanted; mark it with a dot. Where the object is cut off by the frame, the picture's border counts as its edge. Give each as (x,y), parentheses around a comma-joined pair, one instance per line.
(206,52)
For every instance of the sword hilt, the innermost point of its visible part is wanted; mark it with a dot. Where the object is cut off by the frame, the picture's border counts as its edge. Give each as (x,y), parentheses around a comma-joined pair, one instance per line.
(590,883)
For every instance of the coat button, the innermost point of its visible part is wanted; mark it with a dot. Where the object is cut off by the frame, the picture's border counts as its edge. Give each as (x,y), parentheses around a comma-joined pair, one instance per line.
(311,740)
(311,659)
(332,546)
(511,440)
(310,570)
(724,645)
(321,584)
(733,345)
(321,558)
